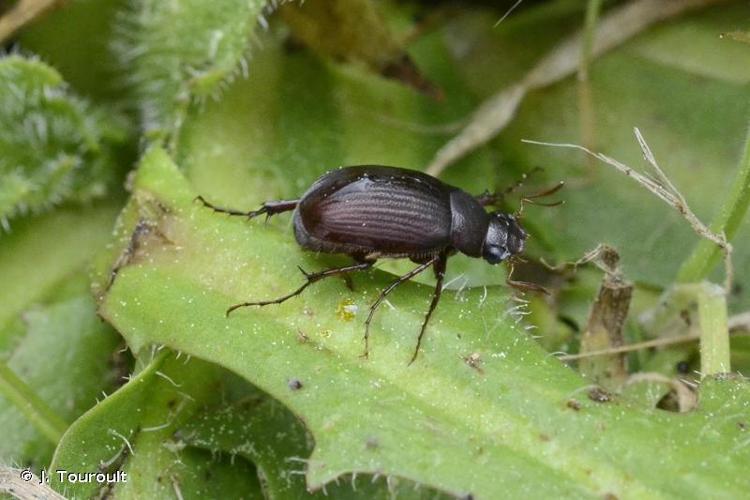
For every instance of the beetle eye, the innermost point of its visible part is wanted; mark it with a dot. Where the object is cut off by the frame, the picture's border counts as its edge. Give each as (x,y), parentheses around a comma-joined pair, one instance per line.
(495,254)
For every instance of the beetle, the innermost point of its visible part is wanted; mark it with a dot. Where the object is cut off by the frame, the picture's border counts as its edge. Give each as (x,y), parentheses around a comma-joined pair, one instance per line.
(369,212)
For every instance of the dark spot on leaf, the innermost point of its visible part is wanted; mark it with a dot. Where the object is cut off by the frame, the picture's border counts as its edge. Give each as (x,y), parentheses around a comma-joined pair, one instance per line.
(573,404)
(372,443)
(474,360)
(295,384)
(599,395)
(302,336)
(171,403)
(610,496)
(683,367)
(544,438)
(742,426)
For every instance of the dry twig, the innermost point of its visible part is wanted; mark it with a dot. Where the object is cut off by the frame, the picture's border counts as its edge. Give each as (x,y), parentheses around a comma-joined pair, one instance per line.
(21,14)
(663,189)
(738,325)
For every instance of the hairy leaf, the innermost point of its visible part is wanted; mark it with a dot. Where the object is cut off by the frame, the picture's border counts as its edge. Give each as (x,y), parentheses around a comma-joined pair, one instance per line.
(183,50)
(54,146)
(481,408)
(132,431)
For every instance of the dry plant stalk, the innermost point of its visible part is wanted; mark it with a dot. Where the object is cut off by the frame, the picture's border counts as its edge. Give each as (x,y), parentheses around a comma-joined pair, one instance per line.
(604,330)
(603,333)
(615,28)
(22,13)
(663,189)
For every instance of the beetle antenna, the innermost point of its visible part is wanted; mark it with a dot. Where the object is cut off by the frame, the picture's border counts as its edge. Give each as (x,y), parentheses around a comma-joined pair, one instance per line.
(531,199)
(494,198)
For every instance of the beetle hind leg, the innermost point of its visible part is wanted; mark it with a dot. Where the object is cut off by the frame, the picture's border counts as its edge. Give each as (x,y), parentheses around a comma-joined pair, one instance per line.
(439,267)
(310,279)
(384,293)
(268,208)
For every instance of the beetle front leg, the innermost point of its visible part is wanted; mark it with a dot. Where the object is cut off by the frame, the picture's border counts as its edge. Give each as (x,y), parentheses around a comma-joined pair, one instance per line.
(489,199)
(268,208)
(439,267)
(311,278)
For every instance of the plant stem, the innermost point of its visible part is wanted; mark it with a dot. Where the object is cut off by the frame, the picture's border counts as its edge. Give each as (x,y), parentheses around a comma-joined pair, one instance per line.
(585,99)
(30,404)
(706,254)
(593,8)
(714,346)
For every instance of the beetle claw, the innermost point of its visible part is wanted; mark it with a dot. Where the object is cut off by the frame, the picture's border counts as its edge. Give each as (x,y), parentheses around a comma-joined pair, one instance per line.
(305,273)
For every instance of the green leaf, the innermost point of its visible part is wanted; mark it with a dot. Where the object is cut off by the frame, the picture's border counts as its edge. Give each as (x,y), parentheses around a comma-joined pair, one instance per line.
(133,431)
(68,382)
(54,147)
(511,422)
(262,430)
(45,251)
(183,51)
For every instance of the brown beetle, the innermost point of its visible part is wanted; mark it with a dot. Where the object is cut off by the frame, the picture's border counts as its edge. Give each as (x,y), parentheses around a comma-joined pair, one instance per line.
(370,212)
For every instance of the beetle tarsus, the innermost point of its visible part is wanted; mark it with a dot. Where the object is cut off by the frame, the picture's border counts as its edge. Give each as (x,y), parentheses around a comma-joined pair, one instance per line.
(304,273)
(311,278)
(268,208)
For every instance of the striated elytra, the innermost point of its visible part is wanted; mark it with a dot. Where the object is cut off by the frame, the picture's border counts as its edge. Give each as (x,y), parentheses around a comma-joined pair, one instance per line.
(370,212)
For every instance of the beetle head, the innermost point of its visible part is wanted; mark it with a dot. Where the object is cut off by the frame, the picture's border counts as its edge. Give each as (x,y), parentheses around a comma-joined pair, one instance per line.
(504,238)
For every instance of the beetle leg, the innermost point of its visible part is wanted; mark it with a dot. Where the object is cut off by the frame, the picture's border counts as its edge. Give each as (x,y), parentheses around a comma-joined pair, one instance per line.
(489,199)
(384,293)
(268,208)
(439,268)
(311,278)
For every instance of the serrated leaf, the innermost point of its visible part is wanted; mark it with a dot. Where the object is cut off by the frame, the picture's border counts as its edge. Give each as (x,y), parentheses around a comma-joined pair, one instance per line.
(132,431)
(54,147)
(262,430)
(511,422)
